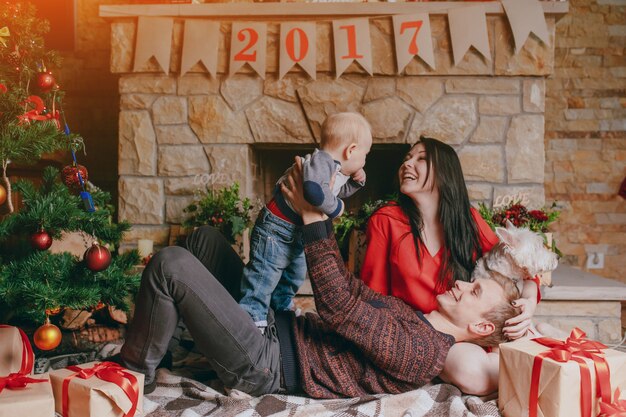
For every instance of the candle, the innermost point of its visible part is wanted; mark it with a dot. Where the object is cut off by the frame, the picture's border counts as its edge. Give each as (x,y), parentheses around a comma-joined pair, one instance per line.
(145,246)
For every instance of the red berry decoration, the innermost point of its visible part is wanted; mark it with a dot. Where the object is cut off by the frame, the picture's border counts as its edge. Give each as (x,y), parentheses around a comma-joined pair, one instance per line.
(97,257)
(41,240)
(69,175)
(45,81)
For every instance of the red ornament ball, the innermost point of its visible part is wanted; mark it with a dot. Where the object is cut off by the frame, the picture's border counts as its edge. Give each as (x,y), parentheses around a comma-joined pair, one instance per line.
(45,81)
(69,176)
(41,240)
(97,258)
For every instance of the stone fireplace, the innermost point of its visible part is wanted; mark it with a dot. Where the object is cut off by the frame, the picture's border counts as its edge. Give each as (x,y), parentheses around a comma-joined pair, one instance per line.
(180,133)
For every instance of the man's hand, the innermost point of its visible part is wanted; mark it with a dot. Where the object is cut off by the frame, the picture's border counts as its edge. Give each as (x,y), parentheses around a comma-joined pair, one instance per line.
(359,176)
(519,325)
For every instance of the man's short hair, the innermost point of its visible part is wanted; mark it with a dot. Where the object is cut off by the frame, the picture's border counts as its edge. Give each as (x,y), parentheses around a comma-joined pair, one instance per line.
(343,129)
(501,312)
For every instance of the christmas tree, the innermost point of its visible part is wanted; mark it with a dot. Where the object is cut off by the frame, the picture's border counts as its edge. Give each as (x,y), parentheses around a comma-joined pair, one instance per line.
(34,282)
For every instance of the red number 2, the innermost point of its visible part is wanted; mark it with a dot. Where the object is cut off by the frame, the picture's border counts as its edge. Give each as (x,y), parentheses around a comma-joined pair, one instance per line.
(351,32)
(417,24)
(254,37)
(290,44)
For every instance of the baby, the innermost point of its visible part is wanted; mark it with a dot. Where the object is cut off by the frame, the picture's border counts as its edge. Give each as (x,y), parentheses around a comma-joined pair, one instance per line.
(277,266)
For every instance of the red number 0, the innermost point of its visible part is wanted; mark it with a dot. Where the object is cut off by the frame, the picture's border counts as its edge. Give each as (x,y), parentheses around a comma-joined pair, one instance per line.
(254,37)
(304,44)
(351,32)
(417,24)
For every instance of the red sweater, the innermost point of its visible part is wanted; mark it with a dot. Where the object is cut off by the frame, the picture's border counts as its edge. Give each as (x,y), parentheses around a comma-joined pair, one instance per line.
(362,342)
(391,266)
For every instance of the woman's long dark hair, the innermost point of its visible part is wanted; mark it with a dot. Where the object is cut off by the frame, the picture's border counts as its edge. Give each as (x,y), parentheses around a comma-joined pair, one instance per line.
(461,242)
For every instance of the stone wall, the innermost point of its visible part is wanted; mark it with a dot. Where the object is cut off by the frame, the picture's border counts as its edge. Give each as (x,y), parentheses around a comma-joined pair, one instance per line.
(586,133)
(174,130)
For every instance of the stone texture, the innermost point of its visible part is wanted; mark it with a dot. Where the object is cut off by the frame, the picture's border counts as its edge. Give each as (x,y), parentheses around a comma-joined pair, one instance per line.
(416,129)
(451,120)
(378,88)
(525,155)
(185,185)
(534,96)
(533,196)
(175,135)
(567,324)
(276,121)
(122,46)
(159,234)
(137,145)
(499,105)
(389,119)
(420,92)
(137,101)
(150,84)
(182,160)
(579,308)
(174,209)
(240,90)
(168,110)
(383,47)
(229,164)
(479,192)
(141,200)
(610,330)
(194,84)
(490,130)
(214,122)
(535,57)
(482,163)
(285,88)
(327,96)
(490,85)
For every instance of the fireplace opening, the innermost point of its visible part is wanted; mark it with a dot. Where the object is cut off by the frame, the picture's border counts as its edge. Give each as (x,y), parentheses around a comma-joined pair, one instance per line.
(381,169)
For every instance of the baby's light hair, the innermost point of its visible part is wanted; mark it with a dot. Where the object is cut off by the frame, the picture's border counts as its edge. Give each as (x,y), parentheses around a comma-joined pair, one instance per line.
(343,129)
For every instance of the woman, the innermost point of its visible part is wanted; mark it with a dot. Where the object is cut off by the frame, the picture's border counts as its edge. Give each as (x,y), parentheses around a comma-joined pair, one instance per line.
(430,238)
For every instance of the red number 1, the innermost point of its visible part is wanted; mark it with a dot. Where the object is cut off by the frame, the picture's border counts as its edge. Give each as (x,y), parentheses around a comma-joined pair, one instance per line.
(351,32)
(254,37)
(417,24)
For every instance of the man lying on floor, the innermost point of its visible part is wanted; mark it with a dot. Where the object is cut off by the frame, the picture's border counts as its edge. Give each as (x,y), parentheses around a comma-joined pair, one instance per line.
(361,342)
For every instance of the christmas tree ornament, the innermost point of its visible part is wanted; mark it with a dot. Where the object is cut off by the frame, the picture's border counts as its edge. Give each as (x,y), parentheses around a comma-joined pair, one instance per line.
(47,337)
(3,195)
(45,81)
(4,35)
(97,257)
(41,240)
(74,176)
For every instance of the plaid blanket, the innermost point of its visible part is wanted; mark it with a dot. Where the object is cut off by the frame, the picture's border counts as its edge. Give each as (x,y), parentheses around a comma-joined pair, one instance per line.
(178,395)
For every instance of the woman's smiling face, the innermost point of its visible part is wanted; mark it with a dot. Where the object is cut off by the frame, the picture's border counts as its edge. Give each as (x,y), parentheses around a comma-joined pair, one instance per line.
(414,175)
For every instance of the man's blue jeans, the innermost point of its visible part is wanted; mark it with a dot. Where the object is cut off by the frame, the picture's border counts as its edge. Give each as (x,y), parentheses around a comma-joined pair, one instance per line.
(201,284)
(276,269)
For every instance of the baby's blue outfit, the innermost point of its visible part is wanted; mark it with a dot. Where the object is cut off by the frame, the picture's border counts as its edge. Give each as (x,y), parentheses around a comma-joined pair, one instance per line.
(277,266)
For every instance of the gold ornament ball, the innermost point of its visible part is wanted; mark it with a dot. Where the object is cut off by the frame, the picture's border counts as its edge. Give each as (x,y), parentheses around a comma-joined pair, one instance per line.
(3,195)
(47,337)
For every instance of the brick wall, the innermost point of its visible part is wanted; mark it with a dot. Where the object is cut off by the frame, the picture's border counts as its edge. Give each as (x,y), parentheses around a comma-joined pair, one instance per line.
(586,133)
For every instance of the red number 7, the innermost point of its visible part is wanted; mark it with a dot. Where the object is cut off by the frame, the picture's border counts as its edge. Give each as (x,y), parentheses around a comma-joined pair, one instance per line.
(417,24)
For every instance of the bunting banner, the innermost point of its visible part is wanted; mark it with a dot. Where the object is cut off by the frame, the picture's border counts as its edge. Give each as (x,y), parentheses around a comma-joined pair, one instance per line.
(248,45)
(297,46)
(525,17)
(201,42)
(413,37)
(154,39)
(468,27)
(352,43)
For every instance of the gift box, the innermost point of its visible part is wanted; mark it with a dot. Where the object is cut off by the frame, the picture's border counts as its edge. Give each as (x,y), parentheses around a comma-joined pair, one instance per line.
(22,395)
(16,353)
(546,377)
(97,389)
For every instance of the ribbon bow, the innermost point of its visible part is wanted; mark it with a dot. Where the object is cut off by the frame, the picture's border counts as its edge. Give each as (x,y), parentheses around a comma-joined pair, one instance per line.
(17,380)
(4,33)
(616,409)
(36,113)
(576,347)
(106,371)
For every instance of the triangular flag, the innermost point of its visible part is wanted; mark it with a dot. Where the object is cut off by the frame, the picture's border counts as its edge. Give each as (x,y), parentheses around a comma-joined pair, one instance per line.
(248,45)
(468,27)
(413,37)
(352,43)
(525,17)
(154,38)
(200,44)
(297,46)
